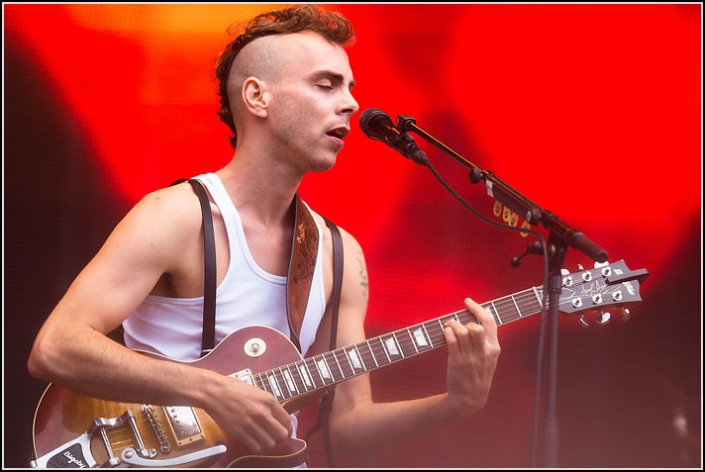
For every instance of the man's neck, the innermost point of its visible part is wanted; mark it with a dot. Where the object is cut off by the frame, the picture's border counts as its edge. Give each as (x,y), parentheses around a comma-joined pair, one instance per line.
(261,192)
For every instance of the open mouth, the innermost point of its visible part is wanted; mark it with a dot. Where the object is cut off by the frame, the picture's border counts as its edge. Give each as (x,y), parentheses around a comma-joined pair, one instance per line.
(339,133)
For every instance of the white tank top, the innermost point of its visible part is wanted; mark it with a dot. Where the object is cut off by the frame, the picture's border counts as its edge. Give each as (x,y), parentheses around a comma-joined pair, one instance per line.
(247,296)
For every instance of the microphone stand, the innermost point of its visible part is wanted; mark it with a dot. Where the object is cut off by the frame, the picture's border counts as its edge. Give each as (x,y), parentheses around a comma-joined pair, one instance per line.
(561,236)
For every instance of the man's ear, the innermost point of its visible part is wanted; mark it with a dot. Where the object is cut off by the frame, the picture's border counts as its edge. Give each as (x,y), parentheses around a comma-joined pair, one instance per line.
(255,97)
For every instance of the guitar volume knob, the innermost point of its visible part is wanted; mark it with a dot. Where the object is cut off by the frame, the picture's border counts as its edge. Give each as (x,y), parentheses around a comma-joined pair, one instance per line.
(255,347)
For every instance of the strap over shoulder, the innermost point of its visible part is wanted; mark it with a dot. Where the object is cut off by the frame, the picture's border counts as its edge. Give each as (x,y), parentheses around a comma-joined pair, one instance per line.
(210,273)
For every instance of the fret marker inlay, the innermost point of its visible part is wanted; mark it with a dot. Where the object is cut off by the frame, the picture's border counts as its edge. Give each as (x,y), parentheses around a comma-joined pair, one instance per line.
(304,375)
(289,381)
(323,368)
(391,346)
(275,386)
(354,359)
(419,337)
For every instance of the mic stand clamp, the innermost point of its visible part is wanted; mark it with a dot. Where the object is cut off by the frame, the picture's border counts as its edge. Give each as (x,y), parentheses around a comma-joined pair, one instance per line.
(533,248)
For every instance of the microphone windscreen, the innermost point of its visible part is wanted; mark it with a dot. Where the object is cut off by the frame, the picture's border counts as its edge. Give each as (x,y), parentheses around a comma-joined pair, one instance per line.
(370,122)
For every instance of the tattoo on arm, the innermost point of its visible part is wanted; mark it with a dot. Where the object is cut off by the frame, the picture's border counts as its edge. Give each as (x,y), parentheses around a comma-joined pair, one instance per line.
(363,274)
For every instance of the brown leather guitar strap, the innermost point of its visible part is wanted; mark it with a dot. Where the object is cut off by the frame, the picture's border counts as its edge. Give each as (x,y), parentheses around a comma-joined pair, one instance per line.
(304,249)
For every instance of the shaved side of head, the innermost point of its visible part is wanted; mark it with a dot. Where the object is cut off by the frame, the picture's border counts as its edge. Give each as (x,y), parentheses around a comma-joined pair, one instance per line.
(263,59)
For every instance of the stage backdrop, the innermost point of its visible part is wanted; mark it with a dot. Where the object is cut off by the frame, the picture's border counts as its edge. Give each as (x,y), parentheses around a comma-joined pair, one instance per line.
(591,111)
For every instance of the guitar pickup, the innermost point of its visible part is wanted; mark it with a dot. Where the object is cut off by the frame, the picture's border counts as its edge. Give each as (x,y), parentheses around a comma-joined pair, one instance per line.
(184,424)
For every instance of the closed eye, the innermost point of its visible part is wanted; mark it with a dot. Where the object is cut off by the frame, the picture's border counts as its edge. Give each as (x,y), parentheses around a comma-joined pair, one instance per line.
(329,80)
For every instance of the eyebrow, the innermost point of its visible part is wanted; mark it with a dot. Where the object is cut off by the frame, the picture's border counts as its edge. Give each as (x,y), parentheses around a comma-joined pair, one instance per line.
(333,76)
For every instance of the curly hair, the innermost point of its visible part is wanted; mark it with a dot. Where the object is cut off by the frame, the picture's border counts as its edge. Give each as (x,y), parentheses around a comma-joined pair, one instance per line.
(331,25)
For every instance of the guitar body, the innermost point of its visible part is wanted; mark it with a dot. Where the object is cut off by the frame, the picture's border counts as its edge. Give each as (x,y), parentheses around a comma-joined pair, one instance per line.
(65,421)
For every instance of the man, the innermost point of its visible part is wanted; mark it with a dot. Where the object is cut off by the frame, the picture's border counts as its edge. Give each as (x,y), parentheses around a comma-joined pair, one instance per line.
(286,94)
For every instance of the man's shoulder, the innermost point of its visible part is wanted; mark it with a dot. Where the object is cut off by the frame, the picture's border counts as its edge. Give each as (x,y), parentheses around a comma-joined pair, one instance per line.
(175,205)
(349,241)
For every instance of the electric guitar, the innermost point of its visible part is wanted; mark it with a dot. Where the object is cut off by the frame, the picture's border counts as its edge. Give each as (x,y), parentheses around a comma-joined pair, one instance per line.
(73,430)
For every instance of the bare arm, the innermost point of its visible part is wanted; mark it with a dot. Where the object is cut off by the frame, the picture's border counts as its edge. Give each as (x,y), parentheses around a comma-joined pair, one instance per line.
(71,348)
(359,424)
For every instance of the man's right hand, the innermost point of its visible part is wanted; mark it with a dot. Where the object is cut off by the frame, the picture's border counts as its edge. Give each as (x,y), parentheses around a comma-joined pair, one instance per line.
(250,416)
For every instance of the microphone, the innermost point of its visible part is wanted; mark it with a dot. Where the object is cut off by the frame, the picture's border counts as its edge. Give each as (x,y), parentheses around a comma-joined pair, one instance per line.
(377,125)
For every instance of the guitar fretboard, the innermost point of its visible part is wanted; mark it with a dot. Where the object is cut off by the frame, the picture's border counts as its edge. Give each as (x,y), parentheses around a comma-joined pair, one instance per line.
(323,370)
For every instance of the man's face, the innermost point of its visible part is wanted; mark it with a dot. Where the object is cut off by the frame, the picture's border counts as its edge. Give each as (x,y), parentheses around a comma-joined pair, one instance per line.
(311,102)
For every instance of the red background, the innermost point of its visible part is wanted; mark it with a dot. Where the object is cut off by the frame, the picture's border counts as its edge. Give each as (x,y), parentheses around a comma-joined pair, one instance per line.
(591,111)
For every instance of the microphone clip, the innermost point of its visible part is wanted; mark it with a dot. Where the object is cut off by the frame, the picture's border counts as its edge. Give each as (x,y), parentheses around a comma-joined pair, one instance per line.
(403,122)
(407,143)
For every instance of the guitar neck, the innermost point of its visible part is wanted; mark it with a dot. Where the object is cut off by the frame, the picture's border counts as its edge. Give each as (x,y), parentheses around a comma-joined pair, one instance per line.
(329,368)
